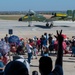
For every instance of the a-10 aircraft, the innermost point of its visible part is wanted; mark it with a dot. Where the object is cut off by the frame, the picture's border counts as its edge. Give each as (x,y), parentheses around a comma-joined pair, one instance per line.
(33,16)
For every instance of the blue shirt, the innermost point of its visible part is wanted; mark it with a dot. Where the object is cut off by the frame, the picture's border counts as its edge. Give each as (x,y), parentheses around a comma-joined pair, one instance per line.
(1,65)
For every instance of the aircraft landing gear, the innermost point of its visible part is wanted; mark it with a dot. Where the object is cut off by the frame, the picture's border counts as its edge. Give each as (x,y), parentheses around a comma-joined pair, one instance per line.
(29,25)
(47,24)
(51,25)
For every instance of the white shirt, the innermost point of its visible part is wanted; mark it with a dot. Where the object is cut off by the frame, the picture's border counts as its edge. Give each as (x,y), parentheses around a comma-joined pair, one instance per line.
(28,48)
(25,62)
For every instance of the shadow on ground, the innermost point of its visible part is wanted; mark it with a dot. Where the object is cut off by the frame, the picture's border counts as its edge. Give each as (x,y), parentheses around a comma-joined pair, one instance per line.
(61,26)
(73,58)
(34,66)
(20,26)
(42,26)
(69,61)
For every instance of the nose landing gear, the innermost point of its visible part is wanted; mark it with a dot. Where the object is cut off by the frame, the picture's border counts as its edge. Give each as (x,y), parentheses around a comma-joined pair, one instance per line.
(47,25)
(51,25)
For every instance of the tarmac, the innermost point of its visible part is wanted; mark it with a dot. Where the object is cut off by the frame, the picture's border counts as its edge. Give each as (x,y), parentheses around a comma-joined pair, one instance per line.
(37,28)
(21,29)
(68,64)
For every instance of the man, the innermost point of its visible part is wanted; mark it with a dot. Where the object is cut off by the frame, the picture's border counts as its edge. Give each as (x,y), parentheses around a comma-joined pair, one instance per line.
(6,38)
(45,63)
(23,60)
(16,68)
(29,51)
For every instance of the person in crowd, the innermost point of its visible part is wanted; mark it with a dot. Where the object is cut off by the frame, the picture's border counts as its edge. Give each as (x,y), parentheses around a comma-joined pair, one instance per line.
(5,58)
(35,50)
(29,51)
(45,63)
(51,44)
(23,60)
(31,44)
(64,47)
(1,64)
(41,39)
(43,42)
(46,38)
(73,49)
(50,38)
(35,73)
(16,68)
(13,47)
(6,38)
(39,44)
(22,42)
(68,48)
(20,50)
(45,51)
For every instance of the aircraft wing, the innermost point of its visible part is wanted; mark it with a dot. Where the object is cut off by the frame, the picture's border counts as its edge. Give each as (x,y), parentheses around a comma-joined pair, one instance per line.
(32,18)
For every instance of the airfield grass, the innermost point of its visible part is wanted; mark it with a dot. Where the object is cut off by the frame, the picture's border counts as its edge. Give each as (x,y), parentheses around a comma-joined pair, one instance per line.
(10,17)
(16,17)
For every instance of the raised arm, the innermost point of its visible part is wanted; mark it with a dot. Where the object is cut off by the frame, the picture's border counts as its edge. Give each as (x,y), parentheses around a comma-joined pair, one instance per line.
(60,49)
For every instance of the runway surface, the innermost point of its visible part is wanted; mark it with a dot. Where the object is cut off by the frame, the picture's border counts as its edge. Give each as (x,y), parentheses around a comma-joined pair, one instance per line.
(37,29)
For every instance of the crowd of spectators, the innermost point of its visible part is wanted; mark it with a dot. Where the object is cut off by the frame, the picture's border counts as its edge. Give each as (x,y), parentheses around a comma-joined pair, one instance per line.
(45,46)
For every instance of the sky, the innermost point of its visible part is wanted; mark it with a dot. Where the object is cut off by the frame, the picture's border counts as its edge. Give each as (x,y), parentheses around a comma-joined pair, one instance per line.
(36,5)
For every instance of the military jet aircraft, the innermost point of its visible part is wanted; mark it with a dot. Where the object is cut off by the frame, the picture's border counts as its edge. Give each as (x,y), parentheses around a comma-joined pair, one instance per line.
(33,16)
(60,15)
